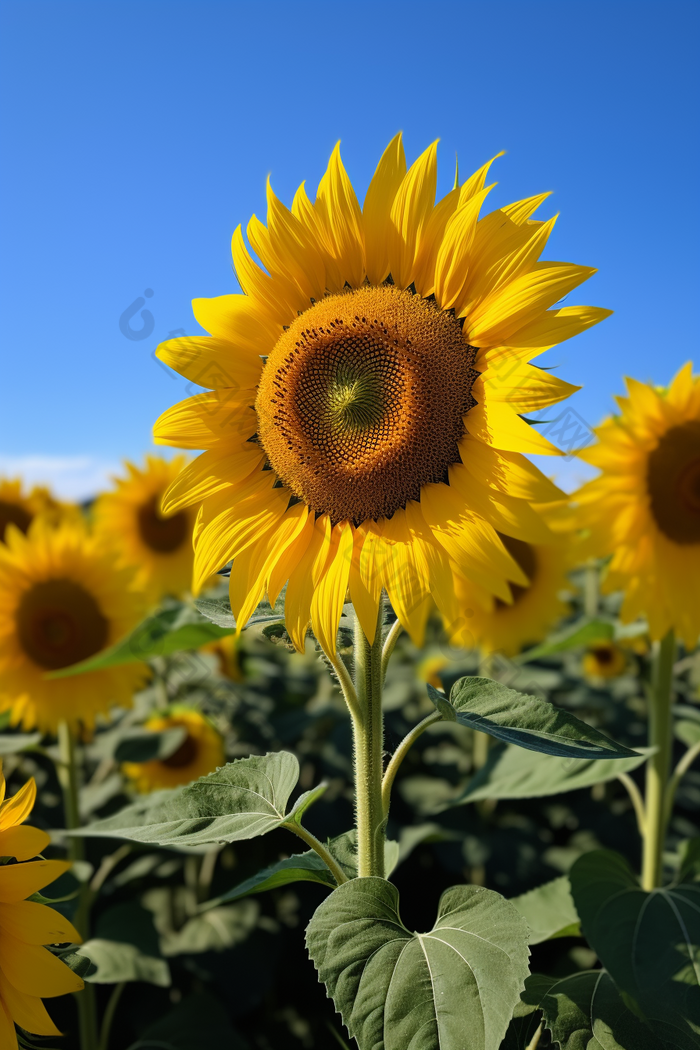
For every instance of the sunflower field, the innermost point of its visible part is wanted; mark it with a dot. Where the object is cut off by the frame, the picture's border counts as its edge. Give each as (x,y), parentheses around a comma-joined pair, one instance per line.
(346,726)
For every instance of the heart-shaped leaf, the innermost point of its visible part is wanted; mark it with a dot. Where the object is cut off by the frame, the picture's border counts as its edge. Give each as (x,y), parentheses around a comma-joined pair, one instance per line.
(648,942)
(528,721)
(513,772)
(241,800)
(396,989)
(549,911)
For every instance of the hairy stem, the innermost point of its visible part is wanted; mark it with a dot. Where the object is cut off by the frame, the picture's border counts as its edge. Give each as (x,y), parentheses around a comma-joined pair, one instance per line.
(389,643)
(368,727)
(658,764)
(318,847)
(400,753)
(68,776)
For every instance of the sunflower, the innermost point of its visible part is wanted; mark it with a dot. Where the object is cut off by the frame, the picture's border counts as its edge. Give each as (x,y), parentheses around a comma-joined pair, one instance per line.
(363,427)
(604,659)
(28,972)
(61,600)
(201,752)
(227,652)
(19,508)
(157,544)
(644,508)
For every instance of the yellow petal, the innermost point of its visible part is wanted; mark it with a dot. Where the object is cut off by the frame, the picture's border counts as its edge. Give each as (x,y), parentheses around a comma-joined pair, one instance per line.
(35,923)
(557,325)
(28,1012)
(211,362)
(247,589)
(240,321)
(8,1035)
(23,843)
(280,298)
(16,809)
(295,251)
(513,517)
(340,213)
(498,425)
(406,576)
(310,218)
(524,387)
(208,420)
(377,209)
(365,600)
(521,211)
(508,472)
(288,560)
(303,580)
(35,971)
(476,182)
(210,473)
(414,201)
(452,264)
(18,881)
(329,596)
(430,242)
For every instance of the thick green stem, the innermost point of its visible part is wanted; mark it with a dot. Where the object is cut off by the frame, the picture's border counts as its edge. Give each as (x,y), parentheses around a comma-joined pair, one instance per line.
(658,764)
(401,752)
(67,770)
(368,726)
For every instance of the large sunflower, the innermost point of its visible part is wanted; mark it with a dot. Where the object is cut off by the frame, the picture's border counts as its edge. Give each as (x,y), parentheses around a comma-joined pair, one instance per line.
(364,429)
(61,600)
(644,509)
(28,972)
(157,544)
(201,752)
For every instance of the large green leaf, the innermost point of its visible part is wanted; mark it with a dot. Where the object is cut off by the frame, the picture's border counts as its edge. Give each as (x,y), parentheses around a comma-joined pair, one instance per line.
(241,800)
(513,772)
(586,1012)
(396,989)
(549,911)
(13,743)
(117,961)
(528,721)
(571,638)
(218,610)
(648,942)
(167,631)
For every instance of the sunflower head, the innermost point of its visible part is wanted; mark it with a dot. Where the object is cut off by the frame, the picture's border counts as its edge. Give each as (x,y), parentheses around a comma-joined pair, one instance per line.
(644,508)
(604,659)
(19,508)
(227,651)
(155,543)
(201,751)
(364,426)
(61,601)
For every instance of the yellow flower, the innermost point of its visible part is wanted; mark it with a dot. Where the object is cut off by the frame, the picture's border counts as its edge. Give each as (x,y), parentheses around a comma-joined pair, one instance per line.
(28,972)
(61,601)
(157,545)
(604,659)
(428,670)
(19,509)
(644,509)
(364,427)
(532,611)
(201,752)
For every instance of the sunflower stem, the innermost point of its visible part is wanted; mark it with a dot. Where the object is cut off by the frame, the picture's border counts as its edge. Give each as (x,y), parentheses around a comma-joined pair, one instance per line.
(658,764)
(368,726)
(401,752)
(69,778)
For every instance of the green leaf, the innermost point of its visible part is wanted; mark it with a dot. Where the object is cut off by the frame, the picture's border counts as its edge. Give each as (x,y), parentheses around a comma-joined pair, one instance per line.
(687,732)
(572,638)
(198,1021)
(587,1012)
(301,867)
(241,800)
(140,745)
(549,911)
(167,631)
(13,743)
(396,989)
(512,772)
(218,610)
(116,961)
(648,942)
(528,721)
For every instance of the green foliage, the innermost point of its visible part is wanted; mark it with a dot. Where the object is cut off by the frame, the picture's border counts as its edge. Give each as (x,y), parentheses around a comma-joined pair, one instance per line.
(513,772)
(300,867)
(648,942)
(196,1022)
(395,989)
(549,911)
(528,721)
(13,743)
(573,637)
(239,801)
(116,961)
(218,610)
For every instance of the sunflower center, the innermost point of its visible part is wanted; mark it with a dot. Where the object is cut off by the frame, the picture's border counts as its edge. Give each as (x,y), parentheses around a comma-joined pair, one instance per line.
(11,514)
(673,481)
(59,623)
(161,534)
(524,554)
(362,400)
(603,655)
(186,753)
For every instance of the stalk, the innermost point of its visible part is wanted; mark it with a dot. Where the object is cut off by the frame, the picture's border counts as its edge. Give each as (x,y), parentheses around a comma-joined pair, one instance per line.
(368,726)
(658,764)
(68,776)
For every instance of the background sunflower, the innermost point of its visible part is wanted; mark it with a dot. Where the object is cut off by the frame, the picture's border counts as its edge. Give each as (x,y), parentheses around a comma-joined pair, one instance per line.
(201,751)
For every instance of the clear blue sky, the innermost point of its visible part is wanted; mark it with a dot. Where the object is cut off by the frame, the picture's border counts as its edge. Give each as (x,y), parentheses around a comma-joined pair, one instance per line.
(137,135)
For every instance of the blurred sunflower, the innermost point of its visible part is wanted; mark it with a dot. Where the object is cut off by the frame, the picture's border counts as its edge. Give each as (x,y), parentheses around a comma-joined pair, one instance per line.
(507,627)
(364,429)
(201,752)
(604,659)
(227,652)
(155,542)
(428,670)
(19,508)
(28,972)
(644,509)
(62,600)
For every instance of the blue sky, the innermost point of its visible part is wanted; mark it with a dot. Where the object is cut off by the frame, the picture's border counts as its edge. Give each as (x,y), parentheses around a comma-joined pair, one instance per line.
(140,134)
